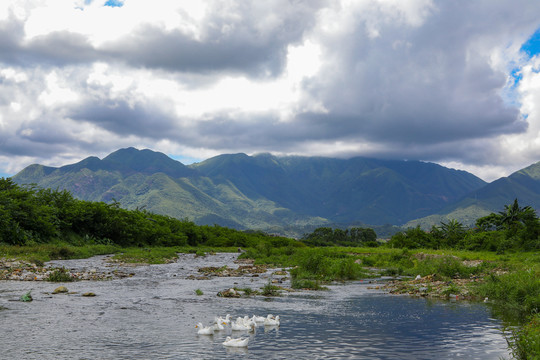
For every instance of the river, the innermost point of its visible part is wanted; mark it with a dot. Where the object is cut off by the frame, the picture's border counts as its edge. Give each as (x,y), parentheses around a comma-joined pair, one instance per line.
(152,315)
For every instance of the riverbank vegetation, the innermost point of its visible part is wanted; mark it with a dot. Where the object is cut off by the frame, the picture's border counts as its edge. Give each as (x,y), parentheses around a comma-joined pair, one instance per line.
(497,260)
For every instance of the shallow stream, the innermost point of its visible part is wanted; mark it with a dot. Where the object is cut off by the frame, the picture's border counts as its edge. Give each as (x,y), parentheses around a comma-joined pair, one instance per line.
(152,315)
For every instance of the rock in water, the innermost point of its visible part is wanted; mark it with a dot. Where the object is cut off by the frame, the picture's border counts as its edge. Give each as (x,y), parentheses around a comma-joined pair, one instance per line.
(88,294)
(60,289)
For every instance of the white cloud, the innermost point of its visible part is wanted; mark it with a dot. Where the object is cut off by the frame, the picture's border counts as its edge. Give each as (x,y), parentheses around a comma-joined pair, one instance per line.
(417,79)
(57,91)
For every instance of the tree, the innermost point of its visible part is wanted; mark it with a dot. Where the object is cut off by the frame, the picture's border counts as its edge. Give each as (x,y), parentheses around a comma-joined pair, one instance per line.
(452,232)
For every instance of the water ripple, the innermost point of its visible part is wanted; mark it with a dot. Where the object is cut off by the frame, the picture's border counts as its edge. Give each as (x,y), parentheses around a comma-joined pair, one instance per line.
(153,315)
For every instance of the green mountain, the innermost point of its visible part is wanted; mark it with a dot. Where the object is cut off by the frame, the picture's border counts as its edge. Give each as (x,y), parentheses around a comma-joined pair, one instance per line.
(262,191)
(523,185)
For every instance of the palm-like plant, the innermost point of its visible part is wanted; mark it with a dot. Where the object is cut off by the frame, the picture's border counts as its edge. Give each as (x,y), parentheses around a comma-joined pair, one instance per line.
(514,214)
(452,232)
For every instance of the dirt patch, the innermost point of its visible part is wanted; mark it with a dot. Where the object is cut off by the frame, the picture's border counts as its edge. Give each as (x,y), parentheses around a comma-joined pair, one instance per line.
(225,271)
(433,286)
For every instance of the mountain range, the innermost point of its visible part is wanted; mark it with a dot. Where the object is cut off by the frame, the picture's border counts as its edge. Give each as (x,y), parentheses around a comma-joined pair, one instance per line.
(288,194)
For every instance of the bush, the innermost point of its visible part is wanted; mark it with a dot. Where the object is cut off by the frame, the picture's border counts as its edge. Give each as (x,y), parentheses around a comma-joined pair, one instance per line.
(306,284)
(270,290)
(60,275)
(413,238)
(346,269)
(446,266)
(487,240)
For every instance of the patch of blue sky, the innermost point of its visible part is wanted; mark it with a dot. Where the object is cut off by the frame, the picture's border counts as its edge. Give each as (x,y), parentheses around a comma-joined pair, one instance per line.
(528,49)
(532,46)
(186,160)
(114,3)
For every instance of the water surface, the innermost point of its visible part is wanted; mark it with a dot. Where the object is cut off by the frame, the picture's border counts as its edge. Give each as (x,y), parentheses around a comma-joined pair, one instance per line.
(153,315)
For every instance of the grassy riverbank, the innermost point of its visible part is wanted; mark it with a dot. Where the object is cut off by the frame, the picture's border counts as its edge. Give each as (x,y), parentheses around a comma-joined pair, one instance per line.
(508,282)
(39,254)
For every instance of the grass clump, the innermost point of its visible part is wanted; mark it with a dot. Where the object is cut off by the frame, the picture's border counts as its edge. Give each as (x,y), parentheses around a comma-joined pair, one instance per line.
(148,255)
(60,275)
(307,284)
(248,291)
(525,341)
(518,290)
(199,292)
(270,290)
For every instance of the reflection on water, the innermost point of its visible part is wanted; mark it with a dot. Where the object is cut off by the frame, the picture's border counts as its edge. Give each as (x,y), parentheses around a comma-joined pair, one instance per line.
(153,315)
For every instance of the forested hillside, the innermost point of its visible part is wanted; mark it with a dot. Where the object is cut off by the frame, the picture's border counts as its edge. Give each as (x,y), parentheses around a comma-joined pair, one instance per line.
(287,195)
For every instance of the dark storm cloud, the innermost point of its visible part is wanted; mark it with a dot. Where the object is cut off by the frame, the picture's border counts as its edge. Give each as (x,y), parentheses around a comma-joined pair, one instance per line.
(150,47)
(55,49)
(236,45)
(11,35)
(227,45)
(420,84)
(60,49)
(406,79)
(123,118)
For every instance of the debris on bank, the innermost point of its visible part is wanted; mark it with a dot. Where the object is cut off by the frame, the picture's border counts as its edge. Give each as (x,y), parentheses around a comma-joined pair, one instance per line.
(19,270)
(433,286)
(225,271)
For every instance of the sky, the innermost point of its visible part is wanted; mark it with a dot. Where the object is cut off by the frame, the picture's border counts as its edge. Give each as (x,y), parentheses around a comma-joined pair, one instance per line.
(451,82)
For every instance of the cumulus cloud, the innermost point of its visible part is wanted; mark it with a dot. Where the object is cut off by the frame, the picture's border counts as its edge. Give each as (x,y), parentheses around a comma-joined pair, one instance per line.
(418,79)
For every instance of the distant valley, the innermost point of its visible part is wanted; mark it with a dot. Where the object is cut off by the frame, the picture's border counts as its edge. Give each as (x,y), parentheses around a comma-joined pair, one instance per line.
(287,195)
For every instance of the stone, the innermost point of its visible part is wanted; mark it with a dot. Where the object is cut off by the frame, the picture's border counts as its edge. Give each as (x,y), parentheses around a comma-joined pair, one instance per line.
(60,290)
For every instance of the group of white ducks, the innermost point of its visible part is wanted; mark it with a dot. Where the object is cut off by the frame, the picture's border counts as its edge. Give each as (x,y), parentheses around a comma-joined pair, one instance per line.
(245,323)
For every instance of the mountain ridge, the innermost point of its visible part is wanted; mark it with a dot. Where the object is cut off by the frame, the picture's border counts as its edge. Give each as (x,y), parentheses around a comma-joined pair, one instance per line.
(263,191)
(523,185)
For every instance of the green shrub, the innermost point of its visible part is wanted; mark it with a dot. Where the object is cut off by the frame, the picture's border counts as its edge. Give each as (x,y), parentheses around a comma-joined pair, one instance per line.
(270,290)
(60,275)
(445,266)
(306,284)
(346,269)
(248,291)
(199,292)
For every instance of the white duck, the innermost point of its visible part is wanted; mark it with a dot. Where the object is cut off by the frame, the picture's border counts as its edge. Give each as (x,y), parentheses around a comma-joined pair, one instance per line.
(238,342)
(271,320)
(241,325)
(224,321)
(258,319)
(218,326)
(208,330)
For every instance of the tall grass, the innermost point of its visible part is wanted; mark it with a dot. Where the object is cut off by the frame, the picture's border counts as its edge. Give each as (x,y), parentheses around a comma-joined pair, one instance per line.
(314,266)
(525,341)
(518,291)
(46,252)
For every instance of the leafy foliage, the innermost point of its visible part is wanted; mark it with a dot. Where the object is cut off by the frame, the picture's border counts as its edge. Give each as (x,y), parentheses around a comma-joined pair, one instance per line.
(326,236)
(30,216)
(515,228)
(60,275)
